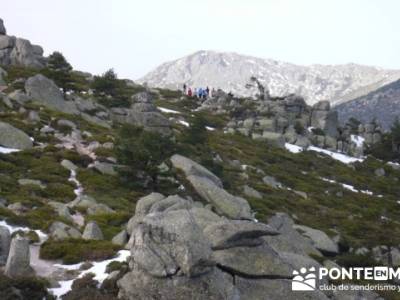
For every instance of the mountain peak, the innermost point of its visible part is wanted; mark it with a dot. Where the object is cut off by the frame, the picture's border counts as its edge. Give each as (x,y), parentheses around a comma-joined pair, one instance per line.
(231,71)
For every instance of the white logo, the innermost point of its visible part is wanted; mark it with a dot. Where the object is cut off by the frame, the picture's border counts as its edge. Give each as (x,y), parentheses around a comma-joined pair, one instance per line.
(305,280)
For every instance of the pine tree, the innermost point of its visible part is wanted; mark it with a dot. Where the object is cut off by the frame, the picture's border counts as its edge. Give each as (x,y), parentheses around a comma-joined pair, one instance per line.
(59,69)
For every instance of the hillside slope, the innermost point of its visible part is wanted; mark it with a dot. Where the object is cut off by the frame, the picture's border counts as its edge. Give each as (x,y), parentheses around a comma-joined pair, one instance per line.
(382,104)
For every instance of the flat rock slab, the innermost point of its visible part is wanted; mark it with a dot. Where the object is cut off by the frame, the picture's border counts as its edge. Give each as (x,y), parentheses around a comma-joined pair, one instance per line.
(259,262)
(225,203)
(228,234)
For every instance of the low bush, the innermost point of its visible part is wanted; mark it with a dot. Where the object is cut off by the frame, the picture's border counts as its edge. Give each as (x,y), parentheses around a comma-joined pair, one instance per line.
(23,288)
(72,251)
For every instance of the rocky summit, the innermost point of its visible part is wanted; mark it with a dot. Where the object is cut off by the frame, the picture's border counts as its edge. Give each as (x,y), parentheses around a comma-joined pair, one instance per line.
(231,71)
(19,51)
(110,189)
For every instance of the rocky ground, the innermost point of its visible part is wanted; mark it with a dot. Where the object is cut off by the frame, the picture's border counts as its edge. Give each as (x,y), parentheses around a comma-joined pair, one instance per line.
(243,200)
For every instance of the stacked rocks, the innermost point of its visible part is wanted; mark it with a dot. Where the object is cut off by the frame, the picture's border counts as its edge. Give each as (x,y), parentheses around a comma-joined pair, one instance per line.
(17,51)
(181,249)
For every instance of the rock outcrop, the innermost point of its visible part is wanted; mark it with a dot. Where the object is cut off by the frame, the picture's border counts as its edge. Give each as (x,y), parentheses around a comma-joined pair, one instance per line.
(209,187)
(5,240)
(18,262)
(188,252)
(15,138)
(181,250)
(45,92)
(190,167)
(319,239)
(143,113)
(2,28)
(60,231)
(92,232)
(280,120)
(17,51)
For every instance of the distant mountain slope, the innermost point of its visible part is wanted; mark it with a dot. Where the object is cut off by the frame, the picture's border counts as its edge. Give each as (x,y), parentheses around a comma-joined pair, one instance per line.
(384,104)
(231,72)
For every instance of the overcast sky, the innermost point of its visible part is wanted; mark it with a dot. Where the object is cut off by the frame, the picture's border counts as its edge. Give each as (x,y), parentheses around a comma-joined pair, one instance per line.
(135,36)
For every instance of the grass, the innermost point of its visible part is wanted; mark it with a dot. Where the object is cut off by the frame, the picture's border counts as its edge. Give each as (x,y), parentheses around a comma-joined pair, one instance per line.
(110,224)
(72,251)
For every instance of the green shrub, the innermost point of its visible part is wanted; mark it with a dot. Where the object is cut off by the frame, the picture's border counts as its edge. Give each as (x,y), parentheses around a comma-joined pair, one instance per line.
(110,224)
(141,151)
(349,260)
(23,288)
(318,131)
(72,251)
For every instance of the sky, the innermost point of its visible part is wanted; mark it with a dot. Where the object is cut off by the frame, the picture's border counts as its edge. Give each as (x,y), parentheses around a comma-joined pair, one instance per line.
(134,37)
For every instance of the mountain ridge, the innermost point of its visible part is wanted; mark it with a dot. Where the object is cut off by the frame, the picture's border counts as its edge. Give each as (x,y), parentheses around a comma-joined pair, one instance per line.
(231,71)
(381,104)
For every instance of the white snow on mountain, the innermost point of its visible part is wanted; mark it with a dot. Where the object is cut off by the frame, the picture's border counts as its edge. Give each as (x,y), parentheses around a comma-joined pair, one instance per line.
(232,71)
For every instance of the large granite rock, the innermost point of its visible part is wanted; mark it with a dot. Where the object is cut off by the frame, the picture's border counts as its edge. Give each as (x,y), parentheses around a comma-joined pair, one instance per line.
(319,239)
(184,251)
(190,167)
(225,203)
(61,231)
(92,232)
(2,27)
(322,117)
(45,92)
(289,240)
(273,289)
(3,74)
(5,240)
(144,204)
(229,234)
(144,114)
(12,137)
(355,295)
(165,243)
(18,262)
(140,285)
(261,261)
(17,51)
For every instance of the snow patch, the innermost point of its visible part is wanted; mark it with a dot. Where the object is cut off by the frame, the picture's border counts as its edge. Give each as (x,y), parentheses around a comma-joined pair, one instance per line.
(335,155)
(293,148)
(8,150)
(168,111)
(98,269)
(349,187)
(184,123)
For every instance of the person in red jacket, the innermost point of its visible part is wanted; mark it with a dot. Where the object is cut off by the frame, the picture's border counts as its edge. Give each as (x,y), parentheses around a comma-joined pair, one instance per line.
(189,92)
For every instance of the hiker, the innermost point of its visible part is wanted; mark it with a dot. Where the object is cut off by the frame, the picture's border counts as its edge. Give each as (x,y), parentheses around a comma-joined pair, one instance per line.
(205,94)
(189,92)
(195,92)
(184,88)
(199,93)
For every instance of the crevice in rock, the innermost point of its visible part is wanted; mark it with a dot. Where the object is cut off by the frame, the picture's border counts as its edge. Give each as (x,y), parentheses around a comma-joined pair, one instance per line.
(249,276)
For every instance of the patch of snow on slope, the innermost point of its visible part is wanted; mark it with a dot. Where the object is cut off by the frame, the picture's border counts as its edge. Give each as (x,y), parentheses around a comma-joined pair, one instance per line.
(293,148)
(335,155)
(168,111)
(98,269)
(8,150)
(42,236)
(349,187)
(184,123)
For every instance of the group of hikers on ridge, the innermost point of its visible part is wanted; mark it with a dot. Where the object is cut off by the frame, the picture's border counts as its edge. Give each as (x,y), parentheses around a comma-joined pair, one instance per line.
(200,93)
